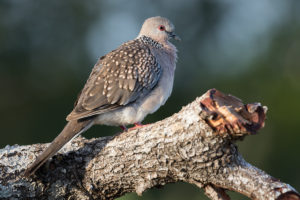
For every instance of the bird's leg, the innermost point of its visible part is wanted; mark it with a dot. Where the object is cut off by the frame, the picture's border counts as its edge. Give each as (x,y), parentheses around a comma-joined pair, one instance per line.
(124,128)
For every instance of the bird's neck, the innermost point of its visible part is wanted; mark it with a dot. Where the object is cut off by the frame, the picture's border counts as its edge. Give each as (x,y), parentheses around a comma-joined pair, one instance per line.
(171,49)
(166,46)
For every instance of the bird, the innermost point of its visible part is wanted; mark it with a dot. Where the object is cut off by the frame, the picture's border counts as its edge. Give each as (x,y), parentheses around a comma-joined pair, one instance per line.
(125,85)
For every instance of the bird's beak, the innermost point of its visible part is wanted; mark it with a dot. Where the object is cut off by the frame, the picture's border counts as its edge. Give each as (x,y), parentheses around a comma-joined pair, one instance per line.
(174,36)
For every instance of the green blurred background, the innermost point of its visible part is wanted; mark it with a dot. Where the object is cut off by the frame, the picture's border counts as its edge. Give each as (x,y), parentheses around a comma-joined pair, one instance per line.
(250,49)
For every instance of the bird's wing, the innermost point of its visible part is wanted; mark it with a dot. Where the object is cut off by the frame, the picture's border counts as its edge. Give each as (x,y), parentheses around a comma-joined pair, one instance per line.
(119,78)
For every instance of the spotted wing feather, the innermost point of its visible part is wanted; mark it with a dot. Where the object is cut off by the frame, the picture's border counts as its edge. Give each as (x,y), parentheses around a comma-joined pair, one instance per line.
(119,78)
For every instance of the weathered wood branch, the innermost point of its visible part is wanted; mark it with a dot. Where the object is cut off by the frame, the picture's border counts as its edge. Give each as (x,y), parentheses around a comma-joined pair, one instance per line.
(195,145)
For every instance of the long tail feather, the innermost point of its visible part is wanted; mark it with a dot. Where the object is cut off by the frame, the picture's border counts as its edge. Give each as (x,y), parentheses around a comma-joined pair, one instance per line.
(71,130)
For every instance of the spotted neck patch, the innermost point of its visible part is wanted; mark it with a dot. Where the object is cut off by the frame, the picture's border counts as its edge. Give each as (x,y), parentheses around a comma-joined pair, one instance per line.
(151,42)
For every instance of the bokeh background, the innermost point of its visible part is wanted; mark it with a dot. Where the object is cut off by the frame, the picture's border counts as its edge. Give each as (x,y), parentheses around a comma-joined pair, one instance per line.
(250,49)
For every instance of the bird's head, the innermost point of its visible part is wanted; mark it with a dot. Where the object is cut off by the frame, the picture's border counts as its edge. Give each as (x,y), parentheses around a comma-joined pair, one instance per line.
(159,29)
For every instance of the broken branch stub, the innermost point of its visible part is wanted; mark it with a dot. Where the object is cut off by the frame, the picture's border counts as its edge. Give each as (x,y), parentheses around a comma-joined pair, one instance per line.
(227,114)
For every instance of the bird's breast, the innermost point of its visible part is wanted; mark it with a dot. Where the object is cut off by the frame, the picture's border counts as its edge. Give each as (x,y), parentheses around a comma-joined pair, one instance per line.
(162,91)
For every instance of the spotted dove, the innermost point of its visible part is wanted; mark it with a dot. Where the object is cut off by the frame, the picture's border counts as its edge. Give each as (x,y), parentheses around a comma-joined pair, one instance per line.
(124,86)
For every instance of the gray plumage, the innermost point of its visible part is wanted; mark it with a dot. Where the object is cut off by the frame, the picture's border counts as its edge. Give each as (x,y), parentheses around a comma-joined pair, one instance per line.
(124,86)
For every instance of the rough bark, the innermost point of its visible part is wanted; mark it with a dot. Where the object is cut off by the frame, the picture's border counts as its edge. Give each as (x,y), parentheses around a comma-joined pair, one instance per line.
(195,145)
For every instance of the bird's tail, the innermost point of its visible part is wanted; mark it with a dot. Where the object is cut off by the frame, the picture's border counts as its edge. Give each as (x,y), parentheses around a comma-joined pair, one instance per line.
(70,131)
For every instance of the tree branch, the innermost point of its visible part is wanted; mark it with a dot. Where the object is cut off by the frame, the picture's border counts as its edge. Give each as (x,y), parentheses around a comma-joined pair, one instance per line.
(195,145)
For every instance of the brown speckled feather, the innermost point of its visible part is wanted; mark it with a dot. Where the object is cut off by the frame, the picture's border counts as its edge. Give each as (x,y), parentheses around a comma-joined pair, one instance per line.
(119,78)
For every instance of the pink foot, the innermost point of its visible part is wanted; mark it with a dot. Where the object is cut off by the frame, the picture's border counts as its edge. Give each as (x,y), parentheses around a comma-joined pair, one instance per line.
(137,125)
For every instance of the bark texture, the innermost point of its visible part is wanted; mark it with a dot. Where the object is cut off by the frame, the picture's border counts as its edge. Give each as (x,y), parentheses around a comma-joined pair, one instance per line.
(195,145)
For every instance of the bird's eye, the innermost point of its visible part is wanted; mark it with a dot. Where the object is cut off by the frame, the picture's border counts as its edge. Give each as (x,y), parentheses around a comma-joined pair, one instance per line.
(162,28)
